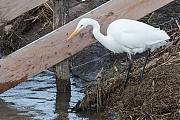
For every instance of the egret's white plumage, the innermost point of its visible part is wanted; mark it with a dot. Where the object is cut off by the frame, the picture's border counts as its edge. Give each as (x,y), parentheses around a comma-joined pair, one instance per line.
(128,36)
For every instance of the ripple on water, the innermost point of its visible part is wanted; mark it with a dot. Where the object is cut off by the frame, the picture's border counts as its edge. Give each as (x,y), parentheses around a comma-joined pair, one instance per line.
(37,97)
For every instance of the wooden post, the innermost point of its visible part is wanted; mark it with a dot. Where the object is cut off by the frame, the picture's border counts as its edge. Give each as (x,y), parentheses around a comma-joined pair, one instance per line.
(61,17)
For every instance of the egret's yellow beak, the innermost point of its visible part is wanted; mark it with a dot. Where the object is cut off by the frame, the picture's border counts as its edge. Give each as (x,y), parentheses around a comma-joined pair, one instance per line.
(72,35)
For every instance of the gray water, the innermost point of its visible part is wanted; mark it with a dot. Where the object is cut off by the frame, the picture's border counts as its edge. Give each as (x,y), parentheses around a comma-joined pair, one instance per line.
(37,98)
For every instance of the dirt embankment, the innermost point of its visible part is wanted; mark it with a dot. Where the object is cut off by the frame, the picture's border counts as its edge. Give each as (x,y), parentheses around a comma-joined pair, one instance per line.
(158,95)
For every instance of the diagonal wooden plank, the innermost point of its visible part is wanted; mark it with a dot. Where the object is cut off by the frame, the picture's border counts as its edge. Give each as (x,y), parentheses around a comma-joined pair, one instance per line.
(53,47)
(10,9)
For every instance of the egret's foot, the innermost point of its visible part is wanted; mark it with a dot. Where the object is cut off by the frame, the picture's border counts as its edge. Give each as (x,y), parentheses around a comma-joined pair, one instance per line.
(126,79)
(127,76)
(123,88)
(145,62)
(140,77)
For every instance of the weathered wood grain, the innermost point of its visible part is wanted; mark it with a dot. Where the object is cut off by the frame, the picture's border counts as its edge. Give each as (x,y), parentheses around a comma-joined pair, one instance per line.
(10,9)
(53,47)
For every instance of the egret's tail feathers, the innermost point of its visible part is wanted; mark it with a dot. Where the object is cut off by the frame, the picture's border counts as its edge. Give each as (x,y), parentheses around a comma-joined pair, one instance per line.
(163,35)
(157,45)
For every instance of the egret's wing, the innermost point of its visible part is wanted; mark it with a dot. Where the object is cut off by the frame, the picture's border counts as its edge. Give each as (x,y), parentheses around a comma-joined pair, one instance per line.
(134,34)
(138,39)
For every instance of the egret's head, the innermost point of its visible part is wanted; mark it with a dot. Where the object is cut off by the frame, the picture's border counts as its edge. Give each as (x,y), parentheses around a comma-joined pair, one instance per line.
(82,24)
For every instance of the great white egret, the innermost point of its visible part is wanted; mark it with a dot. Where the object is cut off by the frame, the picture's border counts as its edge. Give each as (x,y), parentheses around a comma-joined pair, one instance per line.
(125,35)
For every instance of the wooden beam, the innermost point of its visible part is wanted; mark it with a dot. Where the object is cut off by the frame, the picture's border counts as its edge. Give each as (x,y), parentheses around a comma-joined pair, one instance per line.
(53,47)
(10,9)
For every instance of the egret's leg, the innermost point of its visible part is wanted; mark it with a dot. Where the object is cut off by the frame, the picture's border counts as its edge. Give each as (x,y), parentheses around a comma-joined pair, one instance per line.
(146,59)
(127,74)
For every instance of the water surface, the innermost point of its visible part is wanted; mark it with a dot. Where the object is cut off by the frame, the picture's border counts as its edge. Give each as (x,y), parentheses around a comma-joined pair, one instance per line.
(37,98)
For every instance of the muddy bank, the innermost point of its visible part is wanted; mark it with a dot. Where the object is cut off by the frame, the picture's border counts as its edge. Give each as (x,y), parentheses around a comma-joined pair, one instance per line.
(158,95)
(9,112)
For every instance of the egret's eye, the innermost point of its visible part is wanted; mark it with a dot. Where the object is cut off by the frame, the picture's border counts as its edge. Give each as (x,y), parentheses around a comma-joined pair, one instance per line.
(81,26)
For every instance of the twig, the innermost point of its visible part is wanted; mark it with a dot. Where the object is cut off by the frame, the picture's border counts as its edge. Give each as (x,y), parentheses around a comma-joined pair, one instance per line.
(149,115)
(32,18)
(98,76)
(48,6)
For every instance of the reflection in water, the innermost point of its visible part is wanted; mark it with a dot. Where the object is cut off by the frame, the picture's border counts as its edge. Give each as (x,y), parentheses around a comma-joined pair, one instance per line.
(62,105)
(37,98)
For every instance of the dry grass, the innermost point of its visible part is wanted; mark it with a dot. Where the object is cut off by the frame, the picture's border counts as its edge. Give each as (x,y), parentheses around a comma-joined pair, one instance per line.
(13,32)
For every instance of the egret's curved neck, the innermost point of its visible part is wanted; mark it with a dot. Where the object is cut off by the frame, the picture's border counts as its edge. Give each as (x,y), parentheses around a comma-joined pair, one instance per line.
(96,31)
